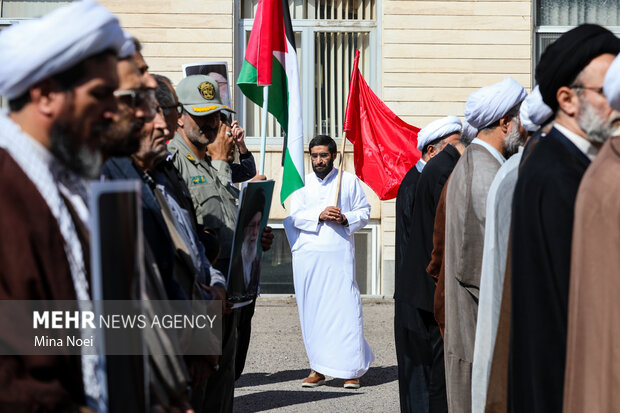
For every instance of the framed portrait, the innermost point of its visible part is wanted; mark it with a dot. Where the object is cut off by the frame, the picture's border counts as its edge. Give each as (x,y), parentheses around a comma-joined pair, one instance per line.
(245,262)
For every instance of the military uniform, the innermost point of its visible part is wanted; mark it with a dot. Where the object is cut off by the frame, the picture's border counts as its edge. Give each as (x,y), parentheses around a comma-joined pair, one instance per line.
(216,202)
(215,199)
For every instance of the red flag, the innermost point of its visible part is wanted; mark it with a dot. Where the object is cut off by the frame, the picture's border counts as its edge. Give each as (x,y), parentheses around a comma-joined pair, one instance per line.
(384,146)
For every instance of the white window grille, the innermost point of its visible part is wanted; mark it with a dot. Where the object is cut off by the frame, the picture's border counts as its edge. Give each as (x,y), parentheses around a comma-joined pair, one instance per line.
(327,33)
(555,17)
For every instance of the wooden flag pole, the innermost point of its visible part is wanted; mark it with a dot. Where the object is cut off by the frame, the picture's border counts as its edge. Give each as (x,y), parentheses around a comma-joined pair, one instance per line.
(340,169)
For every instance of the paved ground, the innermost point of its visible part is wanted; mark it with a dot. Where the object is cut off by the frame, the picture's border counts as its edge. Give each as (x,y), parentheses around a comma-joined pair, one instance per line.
(277,364)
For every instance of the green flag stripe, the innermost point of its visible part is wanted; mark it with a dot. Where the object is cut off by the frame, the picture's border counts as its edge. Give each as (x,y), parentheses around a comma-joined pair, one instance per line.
(278,96)
(293,180)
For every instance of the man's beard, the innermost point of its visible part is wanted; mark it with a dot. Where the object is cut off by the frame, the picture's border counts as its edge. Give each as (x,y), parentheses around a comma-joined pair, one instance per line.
(513,139)
(199,139)
(328,168)
(78,158)
(596,128)
(122,143)
(248,250)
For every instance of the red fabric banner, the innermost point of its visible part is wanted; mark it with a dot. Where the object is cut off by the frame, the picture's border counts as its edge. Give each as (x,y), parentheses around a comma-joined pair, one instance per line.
(267,37)
(385,147)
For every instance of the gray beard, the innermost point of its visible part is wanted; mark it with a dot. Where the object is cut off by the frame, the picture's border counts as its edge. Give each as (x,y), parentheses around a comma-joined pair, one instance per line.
(248,251)
(596,128)
(81,160)
(513,140)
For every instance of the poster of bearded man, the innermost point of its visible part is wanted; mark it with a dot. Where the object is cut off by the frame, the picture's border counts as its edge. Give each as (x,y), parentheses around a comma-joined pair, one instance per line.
(245,267)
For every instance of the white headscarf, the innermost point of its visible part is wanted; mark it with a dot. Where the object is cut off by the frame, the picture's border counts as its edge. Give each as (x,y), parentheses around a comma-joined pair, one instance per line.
(438,129)
(37,49)
(128,48)
(469,132)
(490,103)
(534,112)
(611,86)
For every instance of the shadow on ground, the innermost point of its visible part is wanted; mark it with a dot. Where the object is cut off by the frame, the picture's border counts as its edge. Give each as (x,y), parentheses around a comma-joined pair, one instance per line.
(259,379)
(375,376)
(276,399)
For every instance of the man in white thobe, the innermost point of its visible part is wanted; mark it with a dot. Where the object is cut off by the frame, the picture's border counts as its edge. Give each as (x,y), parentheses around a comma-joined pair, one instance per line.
(328,298)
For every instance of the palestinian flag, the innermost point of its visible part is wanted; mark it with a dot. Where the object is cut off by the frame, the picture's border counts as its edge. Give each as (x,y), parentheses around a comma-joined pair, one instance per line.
(270,59)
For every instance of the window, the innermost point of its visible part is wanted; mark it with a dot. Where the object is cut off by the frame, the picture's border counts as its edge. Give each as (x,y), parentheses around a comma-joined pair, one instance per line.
(554,17)
(277,265)
(28,9)
(327,33)
(12,11)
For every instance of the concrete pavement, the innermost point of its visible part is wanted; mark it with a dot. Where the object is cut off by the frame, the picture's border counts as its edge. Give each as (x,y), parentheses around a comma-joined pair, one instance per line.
(277,364)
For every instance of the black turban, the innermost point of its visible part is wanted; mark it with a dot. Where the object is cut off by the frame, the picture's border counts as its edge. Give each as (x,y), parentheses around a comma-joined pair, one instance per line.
(565,58)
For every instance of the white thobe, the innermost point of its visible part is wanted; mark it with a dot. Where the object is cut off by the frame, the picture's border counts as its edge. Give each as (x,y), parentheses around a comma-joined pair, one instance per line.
(496,232)
(328,298)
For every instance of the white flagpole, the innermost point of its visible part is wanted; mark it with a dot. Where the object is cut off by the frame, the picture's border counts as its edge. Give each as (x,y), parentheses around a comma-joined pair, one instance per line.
(261,169)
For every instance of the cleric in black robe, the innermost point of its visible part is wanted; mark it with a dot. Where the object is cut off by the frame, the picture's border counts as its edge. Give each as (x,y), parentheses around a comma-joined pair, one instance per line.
(404,209)
(420,355)
(570,71)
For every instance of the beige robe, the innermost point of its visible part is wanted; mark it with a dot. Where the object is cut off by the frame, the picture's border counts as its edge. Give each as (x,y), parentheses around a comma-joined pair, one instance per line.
(592,375)
(466,199)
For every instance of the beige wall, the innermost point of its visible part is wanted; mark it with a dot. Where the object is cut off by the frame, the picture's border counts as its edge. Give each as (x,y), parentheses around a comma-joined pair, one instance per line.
(435,53)
(178,32)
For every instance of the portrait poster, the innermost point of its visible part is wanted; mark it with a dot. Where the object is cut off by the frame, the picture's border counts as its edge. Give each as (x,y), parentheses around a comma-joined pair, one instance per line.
(216,70)
(116,253)
(245,262)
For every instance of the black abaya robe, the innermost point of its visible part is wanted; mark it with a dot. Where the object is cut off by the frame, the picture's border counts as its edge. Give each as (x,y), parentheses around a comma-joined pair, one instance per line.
(543,209)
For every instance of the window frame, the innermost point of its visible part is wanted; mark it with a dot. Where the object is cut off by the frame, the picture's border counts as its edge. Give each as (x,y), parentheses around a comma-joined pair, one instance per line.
(546,29)
(376,286)
(4,24)
(307,28)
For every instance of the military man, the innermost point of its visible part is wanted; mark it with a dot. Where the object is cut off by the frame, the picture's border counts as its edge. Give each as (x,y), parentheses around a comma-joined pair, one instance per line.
(216,203)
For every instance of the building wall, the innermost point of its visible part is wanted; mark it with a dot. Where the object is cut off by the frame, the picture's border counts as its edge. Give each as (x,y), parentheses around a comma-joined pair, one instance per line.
(177,32)
(435,53)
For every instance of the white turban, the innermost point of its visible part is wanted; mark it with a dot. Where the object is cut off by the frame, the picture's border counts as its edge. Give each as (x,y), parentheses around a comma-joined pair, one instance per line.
(612,84)
(37,49)
(491,103)
(534,112)
(128,48)
(469,132)
(438,129)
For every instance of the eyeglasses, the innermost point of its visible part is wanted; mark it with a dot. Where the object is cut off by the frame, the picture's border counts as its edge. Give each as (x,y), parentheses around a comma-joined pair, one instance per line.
(598,90)
(138,98)
(168,109)
(322,155)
